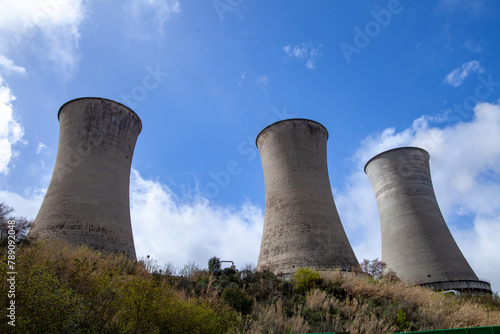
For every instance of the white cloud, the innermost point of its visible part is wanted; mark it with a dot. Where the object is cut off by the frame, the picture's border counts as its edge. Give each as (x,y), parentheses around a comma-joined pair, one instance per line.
(193,230)
(465,167)
(173,230)
(310,64)
(240,83)
(306,52)
(24,206)
(11,131)
(262,81)
(47,28)
(41,148)
(472,7)
(478,244)
(155,11)
(7,66)
(473,46)
(456,77)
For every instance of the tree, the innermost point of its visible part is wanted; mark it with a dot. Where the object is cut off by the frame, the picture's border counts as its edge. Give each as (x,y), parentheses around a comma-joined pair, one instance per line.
(373,268)
(214,265)
(189,269)
(20,226)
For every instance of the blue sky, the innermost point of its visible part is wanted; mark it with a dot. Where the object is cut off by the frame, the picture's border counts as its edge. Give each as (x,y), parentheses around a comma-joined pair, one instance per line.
(206,76)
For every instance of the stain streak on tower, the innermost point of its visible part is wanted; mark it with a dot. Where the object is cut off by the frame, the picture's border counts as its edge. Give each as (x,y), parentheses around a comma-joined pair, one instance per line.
(87,201)
(416,242)
(301,225)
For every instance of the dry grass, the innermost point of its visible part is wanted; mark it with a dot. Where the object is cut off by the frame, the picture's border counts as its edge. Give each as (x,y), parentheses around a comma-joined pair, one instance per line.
(419,308)
(61,288)
(58,253)
(89,288)
(272,319)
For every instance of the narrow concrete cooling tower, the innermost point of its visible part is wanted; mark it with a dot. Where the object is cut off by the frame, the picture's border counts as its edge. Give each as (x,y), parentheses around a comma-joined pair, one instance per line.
(416,242)
(301,225)
(87,201)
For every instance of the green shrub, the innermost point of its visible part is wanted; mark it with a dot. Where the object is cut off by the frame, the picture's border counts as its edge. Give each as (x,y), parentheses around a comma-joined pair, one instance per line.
(65,289)
(45,303)
(305,279)
(238,299)
(401,320)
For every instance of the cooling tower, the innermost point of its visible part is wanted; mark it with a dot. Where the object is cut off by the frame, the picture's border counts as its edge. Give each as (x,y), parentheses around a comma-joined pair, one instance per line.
(301,225)
(416,242)
(87,201)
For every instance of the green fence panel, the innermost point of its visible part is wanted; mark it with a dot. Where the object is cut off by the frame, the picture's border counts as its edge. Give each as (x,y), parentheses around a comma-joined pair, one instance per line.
(471,330)
(324,333)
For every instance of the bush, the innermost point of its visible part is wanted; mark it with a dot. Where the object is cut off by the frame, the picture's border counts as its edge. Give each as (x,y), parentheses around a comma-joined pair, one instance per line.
(66,289)
(238,299)
(401,320)
(61,288)
(305,279)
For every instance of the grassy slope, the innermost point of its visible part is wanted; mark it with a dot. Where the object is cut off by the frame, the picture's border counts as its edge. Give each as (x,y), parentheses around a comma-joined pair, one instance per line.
(66,289)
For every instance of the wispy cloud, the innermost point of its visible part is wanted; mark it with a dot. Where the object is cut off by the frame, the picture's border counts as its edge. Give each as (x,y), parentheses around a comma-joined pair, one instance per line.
(473,7)
(41,148)
(155,11)
(456,77)
(7,67)
(306,52)
(50,28)
(465,164)
(240,83)
(11,131)
(262,81)
(170,229)
(473,46)
(24,206)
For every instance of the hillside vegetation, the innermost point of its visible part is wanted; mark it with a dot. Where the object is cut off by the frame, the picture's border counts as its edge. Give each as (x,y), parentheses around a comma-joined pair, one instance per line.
(61,288)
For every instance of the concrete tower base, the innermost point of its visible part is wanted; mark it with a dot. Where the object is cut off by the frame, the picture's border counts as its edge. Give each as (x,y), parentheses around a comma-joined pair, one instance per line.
(460,285)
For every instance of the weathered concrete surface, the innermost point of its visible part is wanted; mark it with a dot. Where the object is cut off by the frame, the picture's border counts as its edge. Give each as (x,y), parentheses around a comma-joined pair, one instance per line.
(301,224)
(87,201)
(416,242)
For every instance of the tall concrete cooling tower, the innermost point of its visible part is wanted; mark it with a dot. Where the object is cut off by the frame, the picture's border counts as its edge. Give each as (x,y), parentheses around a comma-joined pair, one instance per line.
(416,242)
(87,201)
(301,225)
